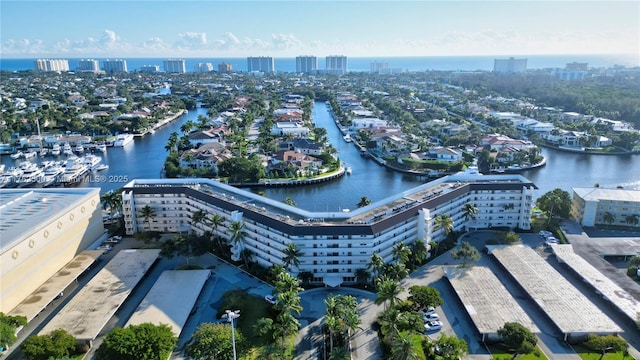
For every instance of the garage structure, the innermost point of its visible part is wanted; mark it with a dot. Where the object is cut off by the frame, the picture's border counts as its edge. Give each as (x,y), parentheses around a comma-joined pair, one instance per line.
(570,310)
(92,307)
(487,300)
(620,298)
(171,299)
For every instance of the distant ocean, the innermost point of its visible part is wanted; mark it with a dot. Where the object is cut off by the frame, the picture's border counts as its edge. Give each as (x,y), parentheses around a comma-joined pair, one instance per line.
(362,64)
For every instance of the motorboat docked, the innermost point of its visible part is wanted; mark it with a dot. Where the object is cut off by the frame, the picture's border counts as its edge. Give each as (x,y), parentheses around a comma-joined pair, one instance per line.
(102,147)
(30,154)
(348,170)
(92,161)
(52,174)
(17,155)
(66,149)
(79,148)
(74,172)
(44,151)
(347,138)
(11,177)
(31,174)
(101,167)
(123,140)
(55,150)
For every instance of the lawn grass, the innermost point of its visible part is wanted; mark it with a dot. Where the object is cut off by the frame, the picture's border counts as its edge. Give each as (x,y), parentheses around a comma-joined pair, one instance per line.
(587,354)
(251,309)
(498,352)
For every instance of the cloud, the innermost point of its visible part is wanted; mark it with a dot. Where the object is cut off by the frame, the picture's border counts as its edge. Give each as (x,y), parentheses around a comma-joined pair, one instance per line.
(191,41)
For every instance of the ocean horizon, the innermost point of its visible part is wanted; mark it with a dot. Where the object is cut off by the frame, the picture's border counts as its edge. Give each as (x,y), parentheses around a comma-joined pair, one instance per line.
(363,64)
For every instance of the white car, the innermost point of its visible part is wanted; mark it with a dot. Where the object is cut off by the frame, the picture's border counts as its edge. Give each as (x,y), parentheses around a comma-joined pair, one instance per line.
(428,311)
(544,234)
(431,317)
(271,299)
(432,326)
(551,240)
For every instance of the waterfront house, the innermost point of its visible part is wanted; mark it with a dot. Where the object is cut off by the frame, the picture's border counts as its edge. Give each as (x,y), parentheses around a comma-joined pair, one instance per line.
(289,128)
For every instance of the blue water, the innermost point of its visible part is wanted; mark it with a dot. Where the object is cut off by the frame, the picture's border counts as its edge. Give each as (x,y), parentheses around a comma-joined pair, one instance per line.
(362,64)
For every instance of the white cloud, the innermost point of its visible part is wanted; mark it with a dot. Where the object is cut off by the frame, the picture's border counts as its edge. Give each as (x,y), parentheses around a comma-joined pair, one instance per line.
(191,41)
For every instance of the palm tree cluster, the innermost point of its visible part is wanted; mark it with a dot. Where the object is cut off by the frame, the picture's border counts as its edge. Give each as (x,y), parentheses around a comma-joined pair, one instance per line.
(341,320)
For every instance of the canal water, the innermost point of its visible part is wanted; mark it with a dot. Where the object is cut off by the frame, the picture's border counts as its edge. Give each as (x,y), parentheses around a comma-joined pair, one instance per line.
(144,158)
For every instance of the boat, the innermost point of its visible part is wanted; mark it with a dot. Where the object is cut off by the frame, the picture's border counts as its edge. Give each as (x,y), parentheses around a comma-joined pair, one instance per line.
(44,152)
(1,168)
(102,167)
(74,172)
(92,161)
(102,147)
(123,140)
(17,155)
(348,170)
(10,178)
(151,131)
(30,154)
(79,148)
(31,174)
(66,149)
(55,150)
(347,138)
(51,175)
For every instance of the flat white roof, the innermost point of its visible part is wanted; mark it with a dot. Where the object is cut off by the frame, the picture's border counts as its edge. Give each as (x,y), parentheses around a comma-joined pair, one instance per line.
(171,299)
(42,296)
(609,290)
(599,194)
(567,307)
(488,302)
(24,211)
(90,309)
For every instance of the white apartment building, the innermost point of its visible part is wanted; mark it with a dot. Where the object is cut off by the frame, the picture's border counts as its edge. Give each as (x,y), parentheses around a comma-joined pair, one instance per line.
(260,64)
(336,64)
(204,67)
(115,66)
(88,65)
(334,244)
(510,65)
(175,66)
(52,65)
(150,69)
(593,206)
(306,64)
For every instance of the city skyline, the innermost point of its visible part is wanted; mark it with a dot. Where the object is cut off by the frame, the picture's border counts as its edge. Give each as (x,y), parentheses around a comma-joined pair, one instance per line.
(76,29)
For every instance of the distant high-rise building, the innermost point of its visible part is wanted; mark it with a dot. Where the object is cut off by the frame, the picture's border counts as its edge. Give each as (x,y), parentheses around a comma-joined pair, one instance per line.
(510,65)
(225,67)
(577,66)
(260,63)
(175,66)
(336,64)
(52,65)
(306,64)
(378,67)
(88,65)
(115,66)
(204,67)
(150,69)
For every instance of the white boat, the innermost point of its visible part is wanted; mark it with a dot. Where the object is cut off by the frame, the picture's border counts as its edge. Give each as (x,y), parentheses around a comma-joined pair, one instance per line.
(66,149)
(102,147)
(51,175)
(348,170)
(123,140)
(1,168)
(102,167)
(17,155)
(347,138)
(151,131)
(74,172)
(79,148)
(44,151)
(31,174)
(92,161)
(55,150)
(30,154)
(11,177)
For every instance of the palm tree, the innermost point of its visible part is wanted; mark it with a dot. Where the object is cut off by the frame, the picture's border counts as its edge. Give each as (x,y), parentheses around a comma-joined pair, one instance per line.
(214,221)
(198,217)
(402,349)
(401,252)
(470,213)
(289,201)
(148,213)
(305,277)
(632,220)
(376,264)
(172,143)
(362,276)
(291,256)
(364,201)
(418,252)
(608,218)
(388,291)
(238,236)
(187,126)
(444,222)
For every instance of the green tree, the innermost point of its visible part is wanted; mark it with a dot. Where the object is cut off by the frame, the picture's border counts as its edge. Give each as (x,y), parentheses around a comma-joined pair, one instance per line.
(401,252)
(238,235)
(289,201)
(291,256)
(632,220)
(608,218)
(8,327)
(362,276)
(57,343)
(364,201)
(556,202)
(402,348)
(137,342)
(388,292)
(376,264)
(305,277)
(635,260)
(198,217)
(423,297)
(470,212)
(518,338)
(148,213)
(213,342)
(216,221)
(605,343)
(466,252)
(444,222)
(450,347)
(418,253)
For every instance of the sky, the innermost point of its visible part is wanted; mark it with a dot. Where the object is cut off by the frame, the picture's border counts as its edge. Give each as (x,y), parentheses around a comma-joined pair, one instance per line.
(209,28)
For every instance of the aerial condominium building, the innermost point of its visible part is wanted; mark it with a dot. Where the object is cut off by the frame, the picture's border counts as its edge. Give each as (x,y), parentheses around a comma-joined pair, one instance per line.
(115,66)
(175,66)
(52,65)
(88,65)
(204,67)
(261,64)
(336,64)
(599,206)
(334,244)
(150,69)
(510,65)
(40,232)
(225,67)
(306,64)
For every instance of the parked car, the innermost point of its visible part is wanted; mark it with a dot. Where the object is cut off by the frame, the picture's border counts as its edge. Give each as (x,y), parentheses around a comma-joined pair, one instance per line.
(432,326)
(544,234)
(428,311)
(271,299)
(551,240)
(431,317)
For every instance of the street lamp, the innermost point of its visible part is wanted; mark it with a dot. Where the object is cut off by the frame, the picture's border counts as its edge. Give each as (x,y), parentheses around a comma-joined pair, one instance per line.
(232,315)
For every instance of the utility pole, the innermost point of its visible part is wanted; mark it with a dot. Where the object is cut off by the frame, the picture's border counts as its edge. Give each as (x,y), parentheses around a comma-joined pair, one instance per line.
(232,315)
